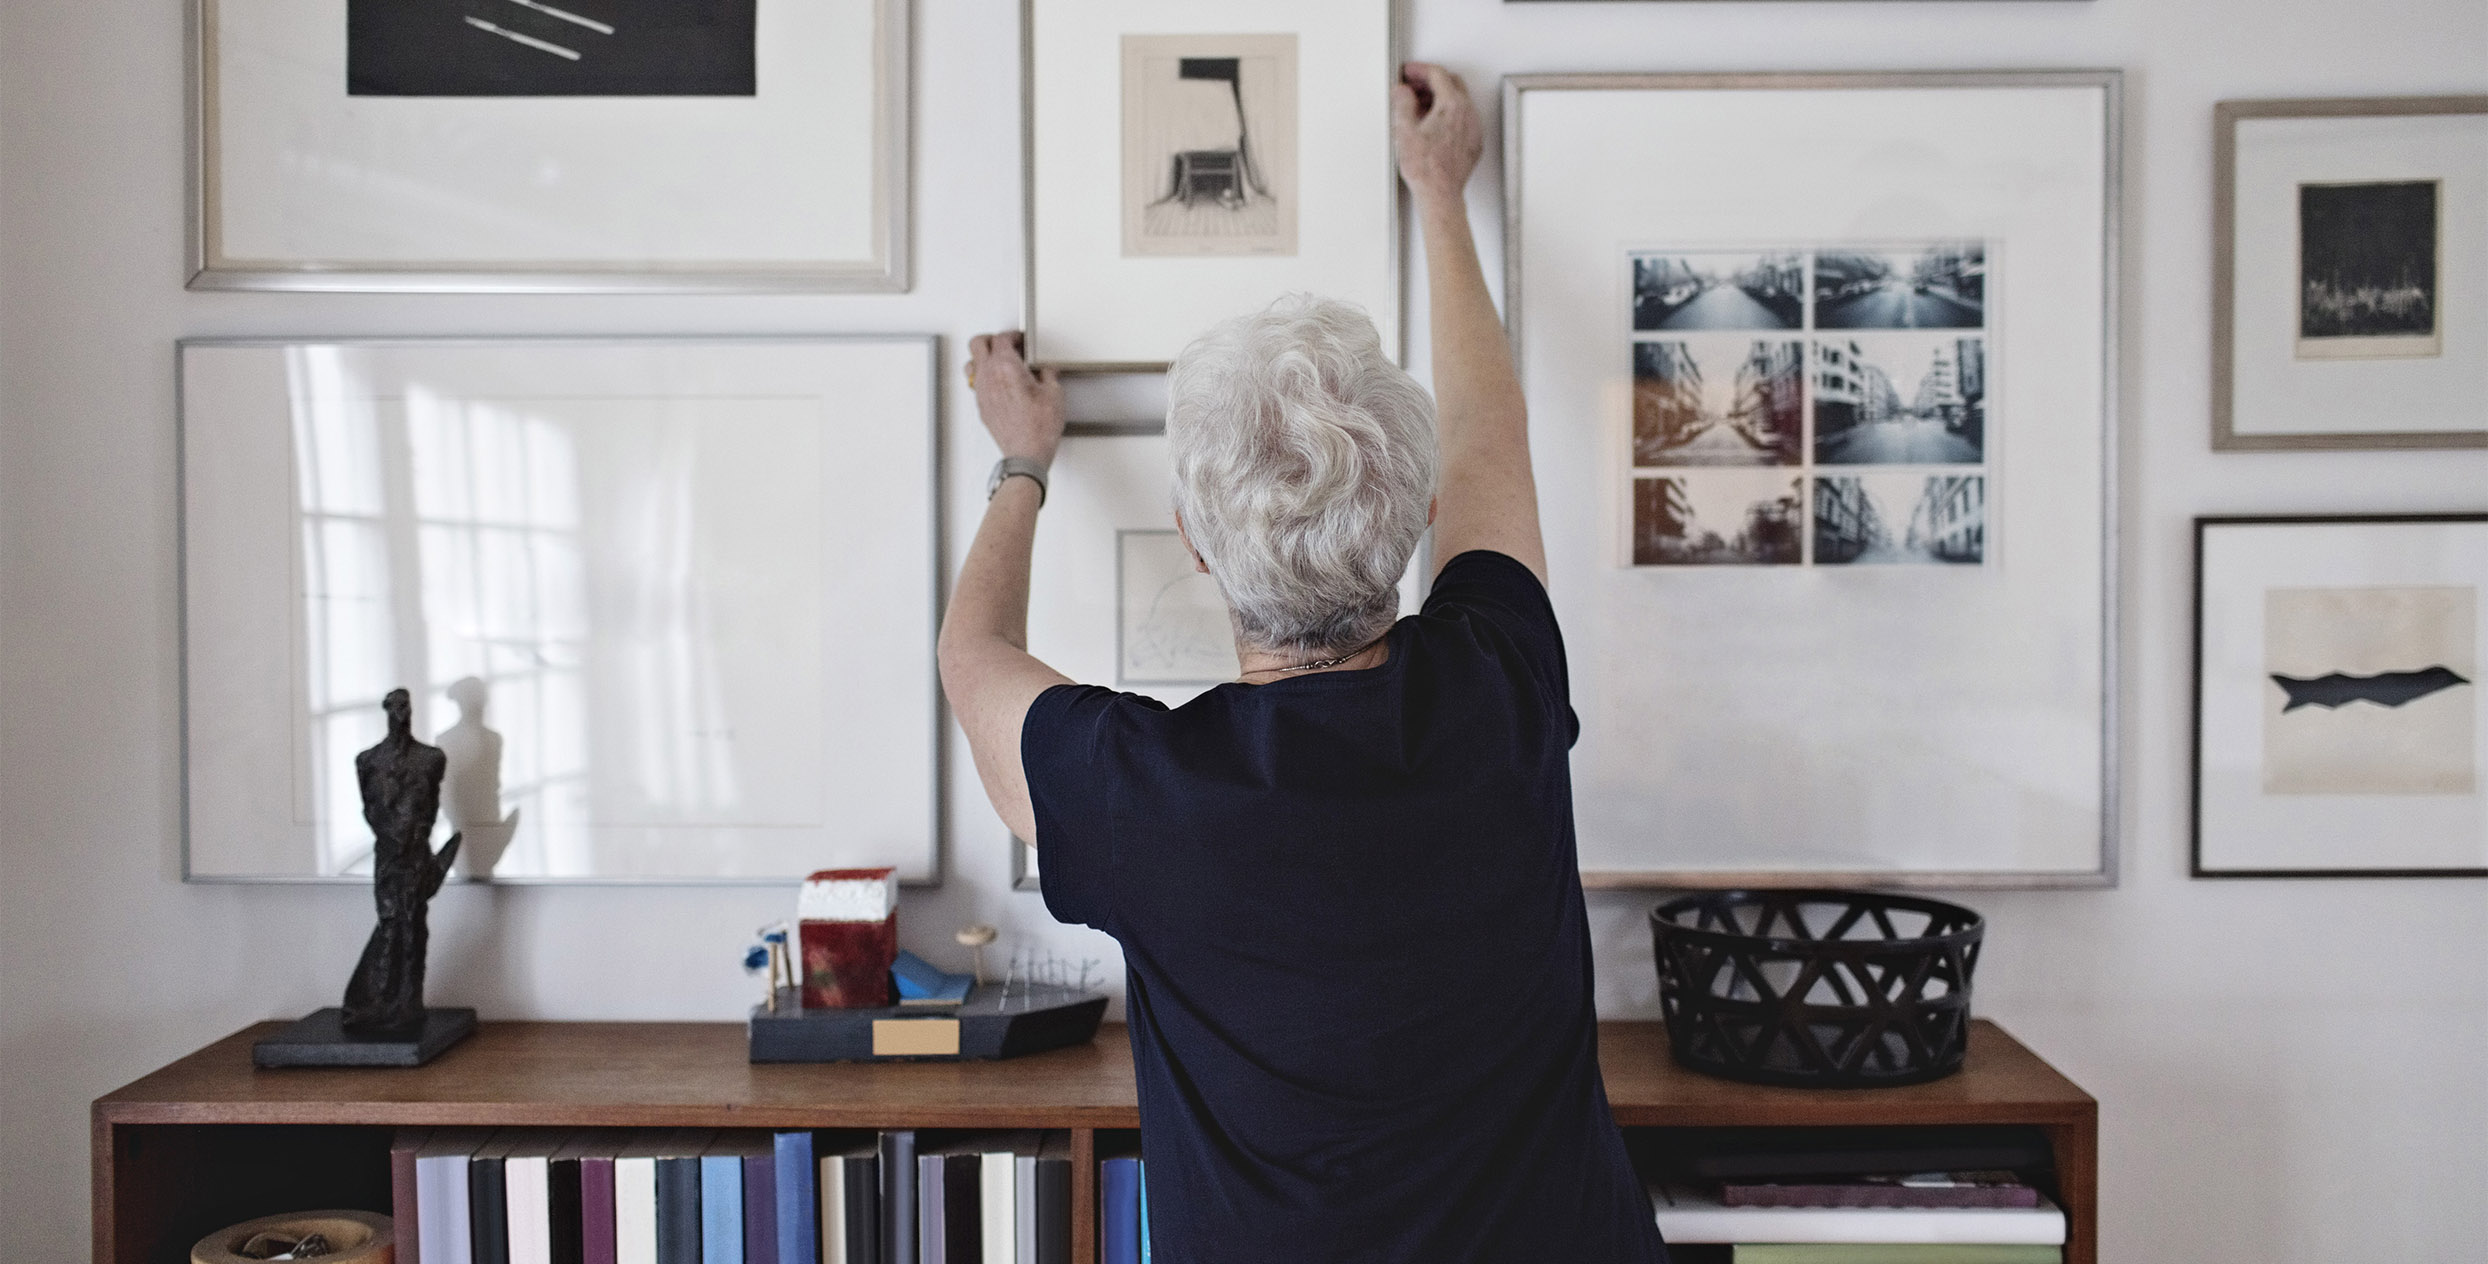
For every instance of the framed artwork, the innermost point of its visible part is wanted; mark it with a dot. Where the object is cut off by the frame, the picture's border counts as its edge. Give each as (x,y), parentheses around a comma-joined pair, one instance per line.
(1175,177)
(2338,712)
(562,145)
(667,606)
(1827,445)
(2350,274)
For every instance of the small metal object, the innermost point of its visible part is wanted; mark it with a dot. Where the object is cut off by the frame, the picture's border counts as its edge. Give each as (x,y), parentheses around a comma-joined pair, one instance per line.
(1016,466)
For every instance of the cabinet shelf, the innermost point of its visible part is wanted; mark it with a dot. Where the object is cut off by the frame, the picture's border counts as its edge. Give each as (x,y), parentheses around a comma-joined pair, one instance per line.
(208,1140)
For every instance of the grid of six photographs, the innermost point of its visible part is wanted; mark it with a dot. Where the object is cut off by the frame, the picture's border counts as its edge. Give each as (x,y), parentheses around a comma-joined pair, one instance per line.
(1809,406)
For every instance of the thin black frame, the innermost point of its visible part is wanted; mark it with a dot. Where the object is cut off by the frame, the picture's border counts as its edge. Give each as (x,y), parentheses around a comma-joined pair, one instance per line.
(2202,528)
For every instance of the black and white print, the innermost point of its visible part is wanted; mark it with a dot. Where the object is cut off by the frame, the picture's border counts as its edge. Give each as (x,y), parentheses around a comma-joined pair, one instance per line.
(2371,691)
(1900,399)
(1719,290)
(1938,286)
(1718,401)
(1896,517)
(1719,518)
(1209,144)
(535,48)
(1172,626)
(2367,270)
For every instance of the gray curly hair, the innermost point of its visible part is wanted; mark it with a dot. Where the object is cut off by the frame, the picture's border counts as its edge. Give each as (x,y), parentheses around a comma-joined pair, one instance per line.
(1304,471)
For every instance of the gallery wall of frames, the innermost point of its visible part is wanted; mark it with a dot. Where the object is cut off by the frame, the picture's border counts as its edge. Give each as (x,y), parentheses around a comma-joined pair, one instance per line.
(1829,441)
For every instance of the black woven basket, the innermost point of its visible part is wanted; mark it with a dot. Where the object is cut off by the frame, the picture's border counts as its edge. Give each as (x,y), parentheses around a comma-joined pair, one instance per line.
(1823,989)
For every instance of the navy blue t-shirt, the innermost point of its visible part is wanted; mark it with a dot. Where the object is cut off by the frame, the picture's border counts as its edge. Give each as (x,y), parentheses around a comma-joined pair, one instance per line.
(1359,977)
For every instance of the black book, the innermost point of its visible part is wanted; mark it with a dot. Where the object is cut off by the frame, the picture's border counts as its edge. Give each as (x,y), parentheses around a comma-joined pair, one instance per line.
(562,1199)
(963,1206)
(678,1197)
(898,1197)
(1743,1154)
(488,1201)
(1054,1199)
(860,1178)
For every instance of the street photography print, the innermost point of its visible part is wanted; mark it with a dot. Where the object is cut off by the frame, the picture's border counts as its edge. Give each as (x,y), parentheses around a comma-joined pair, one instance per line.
(1937,286)
(1900,399)
(2367,270)
(1719,518)
(1718,401)
(1209,144)
(1719,290)
(1893,517)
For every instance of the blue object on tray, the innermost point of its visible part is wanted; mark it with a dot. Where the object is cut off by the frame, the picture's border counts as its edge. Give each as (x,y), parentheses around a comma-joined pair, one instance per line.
(918,980)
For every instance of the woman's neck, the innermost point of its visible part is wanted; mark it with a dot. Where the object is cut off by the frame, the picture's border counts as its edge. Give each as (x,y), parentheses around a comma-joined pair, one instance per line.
(1263,666)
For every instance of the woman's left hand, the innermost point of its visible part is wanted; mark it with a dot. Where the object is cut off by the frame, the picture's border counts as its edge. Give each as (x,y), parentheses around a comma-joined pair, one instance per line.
(1022,408)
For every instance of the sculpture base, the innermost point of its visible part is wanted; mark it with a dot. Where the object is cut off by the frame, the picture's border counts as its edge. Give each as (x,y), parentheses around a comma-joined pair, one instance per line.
(322,1041)
(994,1022)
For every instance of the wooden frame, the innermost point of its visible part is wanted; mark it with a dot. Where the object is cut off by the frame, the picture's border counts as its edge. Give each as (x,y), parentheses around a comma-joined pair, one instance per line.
(1516,297)
(2226,116)
(887,271)
(207,1142)
(2203,526)
(1395,338)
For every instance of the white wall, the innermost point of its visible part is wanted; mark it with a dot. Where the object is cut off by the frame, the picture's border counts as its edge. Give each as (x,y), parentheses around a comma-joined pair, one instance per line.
(2288,1071)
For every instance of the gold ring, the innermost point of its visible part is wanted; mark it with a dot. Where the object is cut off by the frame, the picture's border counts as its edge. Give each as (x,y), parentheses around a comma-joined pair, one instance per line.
(971,368)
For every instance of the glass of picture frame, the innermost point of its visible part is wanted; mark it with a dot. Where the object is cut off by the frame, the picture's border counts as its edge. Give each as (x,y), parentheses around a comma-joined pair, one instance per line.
(1188,161)
(585,145)
(2338,710)
(2350,274)
(1821,381)
(666,605)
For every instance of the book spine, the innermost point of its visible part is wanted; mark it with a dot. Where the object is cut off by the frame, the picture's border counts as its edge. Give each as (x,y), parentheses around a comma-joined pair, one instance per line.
(404,1217)
(488,1212)
(835,1213)
(1118,1219)
(760,1209)
(635,1210)
(565,1212)
(796,1232)
(898,1198)
(1053,1210)
(997,1206)
(441,1202)
(862,1178)
(596,1210)
(1024,1208)
(1733,1195)
(678,1210)
(721,1210)
(529,1193)
(931,1240)
(1144,1211)
(963,1209)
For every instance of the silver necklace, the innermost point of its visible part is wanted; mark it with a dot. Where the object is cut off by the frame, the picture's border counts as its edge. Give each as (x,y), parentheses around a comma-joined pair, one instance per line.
(1320,663)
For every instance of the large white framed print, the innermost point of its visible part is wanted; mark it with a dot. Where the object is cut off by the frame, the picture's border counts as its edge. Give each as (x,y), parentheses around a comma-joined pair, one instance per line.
(1188,161)
(510,145)
(2338,712)
(2349,273)
(1827,447)
(667,606)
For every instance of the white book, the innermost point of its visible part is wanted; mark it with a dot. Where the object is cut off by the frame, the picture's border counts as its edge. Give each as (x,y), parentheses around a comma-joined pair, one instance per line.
(1688,1215)
(997,1181)
(442,1209)
(832,1188)
(527,1184)
(635,1198)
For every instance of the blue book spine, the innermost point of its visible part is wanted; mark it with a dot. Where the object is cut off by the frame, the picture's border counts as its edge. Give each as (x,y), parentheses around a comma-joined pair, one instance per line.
(1144,1211)
(760,1228)
(1118,1227)
(721,1209)
(798,1218)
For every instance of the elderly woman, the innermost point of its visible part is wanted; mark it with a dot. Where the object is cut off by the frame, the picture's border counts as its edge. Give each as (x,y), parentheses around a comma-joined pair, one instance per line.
(1358,967)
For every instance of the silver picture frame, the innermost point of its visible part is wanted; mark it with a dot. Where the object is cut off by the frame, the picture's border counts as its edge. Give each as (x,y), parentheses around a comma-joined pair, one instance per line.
(924,454)
(1388,176)
(2109,754)
(2227,116)
(887,269)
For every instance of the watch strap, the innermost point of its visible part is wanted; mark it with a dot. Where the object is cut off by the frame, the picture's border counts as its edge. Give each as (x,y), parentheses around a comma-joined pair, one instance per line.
(1016,465)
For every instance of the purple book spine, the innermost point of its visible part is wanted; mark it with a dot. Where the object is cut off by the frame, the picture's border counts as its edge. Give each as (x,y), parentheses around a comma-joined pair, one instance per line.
(596,1209)
(760,1209)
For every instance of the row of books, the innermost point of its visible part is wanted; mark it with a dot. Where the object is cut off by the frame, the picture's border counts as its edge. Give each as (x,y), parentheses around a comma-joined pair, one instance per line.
(1857,1196)
(706,1196)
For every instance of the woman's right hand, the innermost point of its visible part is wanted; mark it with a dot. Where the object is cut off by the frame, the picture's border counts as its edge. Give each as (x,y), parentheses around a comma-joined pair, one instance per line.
(1434,131)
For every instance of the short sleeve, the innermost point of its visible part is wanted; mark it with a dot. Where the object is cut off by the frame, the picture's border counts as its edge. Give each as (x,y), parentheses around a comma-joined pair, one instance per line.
(1495,590)
(1061,750)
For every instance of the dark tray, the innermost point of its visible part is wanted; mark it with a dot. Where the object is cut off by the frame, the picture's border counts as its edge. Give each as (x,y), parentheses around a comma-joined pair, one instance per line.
(993,1022)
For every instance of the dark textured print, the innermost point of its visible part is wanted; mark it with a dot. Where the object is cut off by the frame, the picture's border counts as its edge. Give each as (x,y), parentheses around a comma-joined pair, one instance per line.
(539,48)
(2390,689)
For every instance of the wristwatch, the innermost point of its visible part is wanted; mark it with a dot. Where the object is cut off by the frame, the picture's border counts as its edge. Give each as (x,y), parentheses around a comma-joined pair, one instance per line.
(1016,465)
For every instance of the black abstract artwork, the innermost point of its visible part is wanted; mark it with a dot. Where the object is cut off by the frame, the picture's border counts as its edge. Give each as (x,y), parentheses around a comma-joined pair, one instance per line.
(2387,689)
(530,48)
(2367,259)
